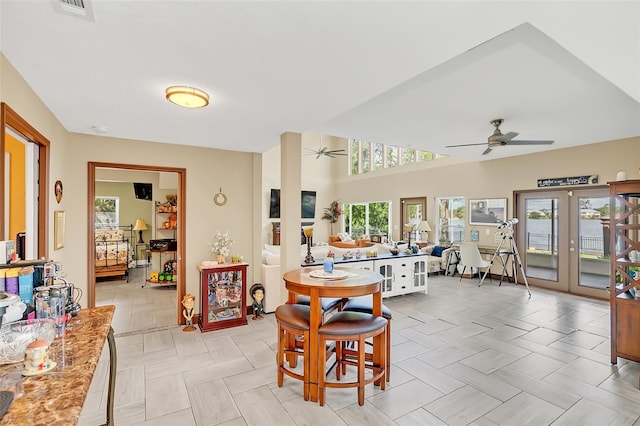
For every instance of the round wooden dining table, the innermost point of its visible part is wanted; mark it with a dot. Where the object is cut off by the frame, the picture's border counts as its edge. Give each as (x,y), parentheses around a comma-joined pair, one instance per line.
(356,283)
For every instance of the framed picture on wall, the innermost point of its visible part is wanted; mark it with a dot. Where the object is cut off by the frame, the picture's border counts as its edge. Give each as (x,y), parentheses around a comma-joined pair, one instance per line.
(58,229)
(488,211)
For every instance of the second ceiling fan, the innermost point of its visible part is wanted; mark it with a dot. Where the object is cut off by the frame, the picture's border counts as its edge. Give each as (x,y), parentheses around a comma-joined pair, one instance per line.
(499,139)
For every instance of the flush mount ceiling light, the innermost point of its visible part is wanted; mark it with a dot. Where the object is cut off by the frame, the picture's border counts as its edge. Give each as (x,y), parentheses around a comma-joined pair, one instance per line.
(188,97)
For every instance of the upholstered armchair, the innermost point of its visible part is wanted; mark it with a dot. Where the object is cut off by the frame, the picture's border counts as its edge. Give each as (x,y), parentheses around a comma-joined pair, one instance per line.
(439,258)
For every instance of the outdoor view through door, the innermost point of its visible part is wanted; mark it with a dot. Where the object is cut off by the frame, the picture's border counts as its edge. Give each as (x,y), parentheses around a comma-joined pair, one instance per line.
(566,237)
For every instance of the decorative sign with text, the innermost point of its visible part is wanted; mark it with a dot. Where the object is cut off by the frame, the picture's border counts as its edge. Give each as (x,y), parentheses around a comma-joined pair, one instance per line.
(568,181)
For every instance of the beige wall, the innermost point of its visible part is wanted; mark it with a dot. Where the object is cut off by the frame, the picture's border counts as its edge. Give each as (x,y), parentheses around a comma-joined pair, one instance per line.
(207,171)
(16,93)
(317,175)
(489,179)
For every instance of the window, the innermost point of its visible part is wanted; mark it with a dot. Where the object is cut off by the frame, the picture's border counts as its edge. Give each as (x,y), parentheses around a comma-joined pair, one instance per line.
(392,156)
(107,212)
(450,222)
(408,156)
(365,156)
(378,156)
(354,156)
(367,218)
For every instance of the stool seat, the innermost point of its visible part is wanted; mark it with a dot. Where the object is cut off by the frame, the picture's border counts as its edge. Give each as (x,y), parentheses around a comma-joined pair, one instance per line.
(295,316)
(350,323)
(344,327)
(293,325)
(365,304)
(328,303)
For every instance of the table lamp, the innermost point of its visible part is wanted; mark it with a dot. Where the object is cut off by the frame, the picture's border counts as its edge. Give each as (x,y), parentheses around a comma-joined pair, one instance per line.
(424,227)
(140,226)
(308,233)
(408,228)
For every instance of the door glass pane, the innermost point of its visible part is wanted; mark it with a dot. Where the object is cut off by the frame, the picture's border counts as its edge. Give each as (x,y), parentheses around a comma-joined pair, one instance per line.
(541,233)
(594,243)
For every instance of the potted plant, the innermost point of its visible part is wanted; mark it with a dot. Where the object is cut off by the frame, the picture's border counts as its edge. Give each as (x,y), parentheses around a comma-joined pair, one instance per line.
(221,245)
(332,213)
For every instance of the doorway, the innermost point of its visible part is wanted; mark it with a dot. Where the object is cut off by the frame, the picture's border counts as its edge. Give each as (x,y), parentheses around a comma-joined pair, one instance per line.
(412,212)
(563,239)
(180,229)
(24,180)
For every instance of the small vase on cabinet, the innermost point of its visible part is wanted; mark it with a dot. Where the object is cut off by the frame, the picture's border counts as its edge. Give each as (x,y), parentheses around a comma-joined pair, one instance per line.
(220,259)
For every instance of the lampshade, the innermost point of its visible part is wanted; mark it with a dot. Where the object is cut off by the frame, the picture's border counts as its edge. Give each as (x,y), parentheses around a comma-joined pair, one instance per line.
(140,225)
(424,226)
(188,97)
(308,231)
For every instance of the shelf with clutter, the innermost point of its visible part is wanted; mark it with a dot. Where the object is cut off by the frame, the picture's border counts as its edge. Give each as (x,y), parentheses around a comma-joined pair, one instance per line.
(163,248)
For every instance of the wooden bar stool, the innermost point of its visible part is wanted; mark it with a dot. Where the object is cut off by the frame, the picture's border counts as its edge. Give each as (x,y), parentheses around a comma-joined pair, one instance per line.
(346,327)
(293,320)
(329,304)
(365,304)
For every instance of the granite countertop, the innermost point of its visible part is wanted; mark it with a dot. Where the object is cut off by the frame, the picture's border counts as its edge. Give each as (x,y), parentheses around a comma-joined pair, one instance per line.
(57,397)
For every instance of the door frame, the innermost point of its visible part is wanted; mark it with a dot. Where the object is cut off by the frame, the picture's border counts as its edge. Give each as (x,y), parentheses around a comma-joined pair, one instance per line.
(10,118)
(404,202)
(180,232)
(567,259)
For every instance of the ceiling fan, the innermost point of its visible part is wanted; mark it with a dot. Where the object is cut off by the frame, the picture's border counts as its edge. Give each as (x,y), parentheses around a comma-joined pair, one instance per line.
(325,151)
(498,139)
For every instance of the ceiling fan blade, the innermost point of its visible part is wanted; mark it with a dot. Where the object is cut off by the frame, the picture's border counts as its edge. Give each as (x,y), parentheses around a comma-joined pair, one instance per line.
(466,144)
(507,137)
(486,151)
(524,142)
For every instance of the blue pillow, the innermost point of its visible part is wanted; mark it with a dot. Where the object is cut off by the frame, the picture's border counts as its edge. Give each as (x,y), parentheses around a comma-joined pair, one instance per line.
(437,251)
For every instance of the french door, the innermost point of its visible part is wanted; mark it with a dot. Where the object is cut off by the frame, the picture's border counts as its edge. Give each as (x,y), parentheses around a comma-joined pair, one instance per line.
(563,239)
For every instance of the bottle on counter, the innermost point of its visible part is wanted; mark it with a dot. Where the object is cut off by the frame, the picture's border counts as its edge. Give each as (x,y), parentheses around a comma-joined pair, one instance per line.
(328,265)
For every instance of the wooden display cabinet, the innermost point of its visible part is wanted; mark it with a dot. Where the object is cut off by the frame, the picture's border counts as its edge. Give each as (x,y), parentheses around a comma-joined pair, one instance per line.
(223,291)
(625,269)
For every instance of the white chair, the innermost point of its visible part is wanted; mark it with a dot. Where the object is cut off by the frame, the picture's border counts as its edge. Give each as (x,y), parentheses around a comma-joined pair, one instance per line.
(470,257)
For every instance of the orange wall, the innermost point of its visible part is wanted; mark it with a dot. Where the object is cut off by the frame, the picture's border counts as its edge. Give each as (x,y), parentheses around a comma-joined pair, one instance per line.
(17,190)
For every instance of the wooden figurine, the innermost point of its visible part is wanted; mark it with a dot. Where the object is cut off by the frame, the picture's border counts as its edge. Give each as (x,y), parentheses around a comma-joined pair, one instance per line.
(257,292)
(187,312)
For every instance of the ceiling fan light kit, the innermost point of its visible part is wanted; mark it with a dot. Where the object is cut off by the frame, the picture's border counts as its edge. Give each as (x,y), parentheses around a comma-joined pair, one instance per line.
(500,139)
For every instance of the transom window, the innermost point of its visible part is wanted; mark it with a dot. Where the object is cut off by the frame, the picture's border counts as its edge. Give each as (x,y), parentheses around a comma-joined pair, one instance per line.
(366,156)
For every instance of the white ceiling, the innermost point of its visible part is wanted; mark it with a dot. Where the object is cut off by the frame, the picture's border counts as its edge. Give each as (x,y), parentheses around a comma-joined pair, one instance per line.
(422,74)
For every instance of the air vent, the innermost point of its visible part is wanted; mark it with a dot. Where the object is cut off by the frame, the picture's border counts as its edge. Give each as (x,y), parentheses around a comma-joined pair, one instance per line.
(77,8)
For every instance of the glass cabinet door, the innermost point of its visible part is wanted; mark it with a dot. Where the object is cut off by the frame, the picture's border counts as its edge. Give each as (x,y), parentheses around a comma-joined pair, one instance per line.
(386,270)
(224,295)
(419,273)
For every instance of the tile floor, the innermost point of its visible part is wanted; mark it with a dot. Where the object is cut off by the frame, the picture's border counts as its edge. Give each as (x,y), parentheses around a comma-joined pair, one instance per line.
(461,355)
